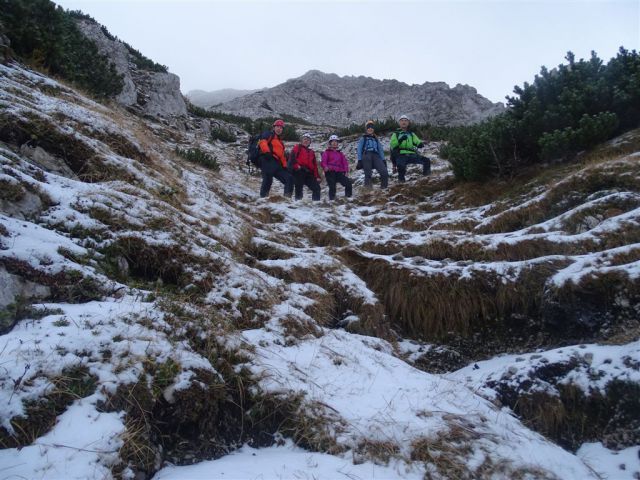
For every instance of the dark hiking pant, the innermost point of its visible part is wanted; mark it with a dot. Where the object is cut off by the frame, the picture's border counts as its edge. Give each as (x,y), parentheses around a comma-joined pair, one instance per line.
(371,160)
(337,177)
(403,160)
(305,177)
(271,168)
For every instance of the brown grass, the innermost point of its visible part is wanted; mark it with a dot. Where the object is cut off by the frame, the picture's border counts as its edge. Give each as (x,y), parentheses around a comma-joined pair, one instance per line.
(468,250)
(605,152)
(424,307)
(582,221)
(41,414)
(297,329)
(10,191)
(172,265)
(82,159)
(378,451)
(324,238)
(447,455)
(65,286)
(566,195)
(323,309)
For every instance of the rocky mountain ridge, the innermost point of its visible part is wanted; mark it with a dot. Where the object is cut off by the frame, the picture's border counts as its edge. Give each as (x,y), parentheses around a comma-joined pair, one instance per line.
(204,99)
(326,98)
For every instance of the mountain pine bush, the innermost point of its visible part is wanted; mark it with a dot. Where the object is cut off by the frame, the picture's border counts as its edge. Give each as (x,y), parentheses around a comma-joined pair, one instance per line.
(45,36)
(564,111)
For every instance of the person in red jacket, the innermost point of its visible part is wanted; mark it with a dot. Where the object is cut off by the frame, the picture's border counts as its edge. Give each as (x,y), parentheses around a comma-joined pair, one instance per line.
(304,168)
(273,162)
(336,167)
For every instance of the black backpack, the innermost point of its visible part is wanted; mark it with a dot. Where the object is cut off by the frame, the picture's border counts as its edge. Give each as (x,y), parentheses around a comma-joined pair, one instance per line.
(253,152)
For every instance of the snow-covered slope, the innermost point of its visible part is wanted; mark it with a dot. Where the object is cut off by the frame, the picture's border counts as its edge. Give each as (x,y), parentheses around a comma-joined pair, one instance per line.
(173,317)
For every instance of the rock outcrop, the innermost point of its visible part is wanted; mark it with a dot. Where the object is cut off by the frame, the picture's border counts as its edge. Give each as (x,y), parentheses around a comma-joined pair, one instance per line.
(329,99)
(149,93)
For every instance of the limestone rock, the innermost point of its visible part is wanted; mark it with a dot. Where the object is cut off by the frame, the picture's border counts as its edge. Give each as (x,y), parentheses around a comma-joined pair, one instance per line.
(328,99)
(150,93)
(28,206)
(43,159)
(13,287)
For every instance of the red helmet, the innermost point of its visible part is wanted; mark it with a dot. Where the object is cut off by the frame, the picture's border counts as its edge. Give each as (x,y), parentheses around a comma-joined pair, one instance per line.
(278,123)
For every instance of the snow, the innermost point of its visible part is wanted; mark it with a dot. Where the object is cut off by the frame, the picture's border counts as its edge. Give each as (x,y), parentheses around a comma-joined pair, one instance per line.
(356,383)
(609,464)
(82,445)
(286,462)
(596,366)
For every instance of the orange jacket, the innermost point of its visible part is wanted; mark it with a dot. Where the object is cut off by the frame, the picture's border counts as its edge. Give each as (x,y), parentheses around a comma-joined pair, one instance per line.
(277,148)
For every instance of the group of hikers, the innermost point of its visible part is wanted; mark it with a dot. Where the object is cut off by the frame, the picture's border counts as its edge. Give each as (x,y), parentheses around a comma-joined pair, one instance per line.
(299,168)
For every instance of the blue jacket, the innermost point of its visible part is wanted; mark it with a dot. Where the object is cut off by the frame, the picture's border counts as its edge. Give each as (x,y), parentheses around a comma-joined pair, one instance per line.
(372,143)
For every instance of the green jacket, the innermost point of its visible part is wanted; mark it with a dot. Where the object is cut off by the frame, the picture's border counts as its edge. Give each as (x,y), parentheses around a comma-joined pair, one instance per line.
(405,142)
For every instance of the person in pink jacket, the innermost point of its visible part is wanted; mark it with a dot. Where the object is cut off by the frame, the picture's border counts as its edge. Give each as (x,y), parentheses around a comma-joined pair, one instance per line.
(336,167)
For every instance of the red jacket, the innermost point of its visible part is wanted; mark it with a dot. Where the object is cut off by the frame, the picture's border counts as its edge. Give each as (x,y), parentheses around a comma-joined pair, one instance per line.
(304,157)
(277,148)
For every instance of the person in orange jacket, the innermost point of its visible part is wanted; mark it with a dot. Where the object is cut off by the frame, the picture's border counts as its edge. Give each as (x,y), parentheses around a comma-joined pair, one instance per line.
(304,168)
(273,161)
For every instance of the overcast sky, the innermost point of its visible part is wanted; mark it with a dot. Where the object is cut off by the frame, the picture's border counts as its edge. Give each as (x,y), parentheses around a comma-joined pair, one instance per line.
(490,45)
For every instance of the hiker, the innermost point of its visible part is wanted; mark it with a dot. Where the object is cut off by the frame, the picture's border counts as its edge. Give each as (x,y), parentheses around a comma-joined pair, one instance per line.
(335,166)
(404,146)
(304,168)
(273,162)
(371,155)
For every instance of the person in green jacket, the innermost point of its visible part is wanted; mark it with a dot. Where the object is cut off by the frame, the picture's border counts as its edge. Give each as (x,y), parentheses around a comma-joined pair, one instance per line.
(404,150)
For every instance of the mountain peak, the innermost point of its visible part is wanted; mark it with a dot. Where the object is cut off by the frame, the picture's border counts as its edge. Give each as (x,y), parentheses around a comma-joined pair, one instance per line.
(329,99)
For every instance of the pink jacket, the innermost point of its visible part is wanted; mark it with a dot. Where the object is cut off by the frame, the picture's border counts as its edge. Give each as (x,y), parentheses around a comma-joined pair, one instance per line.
(334,160)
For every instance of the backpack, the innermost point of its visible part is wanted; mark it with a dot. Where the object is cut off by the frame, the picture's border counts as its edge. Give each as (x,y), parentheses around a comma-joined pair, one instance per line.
(366,142)
(253,151)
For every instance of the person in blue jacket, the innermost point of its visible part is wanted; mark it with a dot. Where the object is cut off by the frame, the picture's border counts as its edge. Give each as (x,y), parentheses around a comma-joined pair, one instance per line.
(371,155)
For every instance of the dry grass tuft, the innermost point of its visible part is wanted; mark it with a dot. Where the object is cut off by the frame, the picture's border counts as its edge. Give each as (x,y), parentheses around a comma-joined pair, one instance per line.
(323,309)
(297,329)
(571,417)
(311,425)
(565,195)
(377,451)
(448,454)
(325,238)
(250,248)
(41,414)
(422,305)
(168,265)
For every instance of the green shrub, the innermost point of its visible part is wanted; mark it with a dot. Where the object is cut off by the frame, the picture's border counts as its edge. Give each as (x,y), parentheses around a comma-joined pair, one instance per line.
(289,133)
(293,119)
(591,130)
(379,126)
(223,135)
(195,155)
(564,111)
(46,36)
(142,62)
(425,131)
